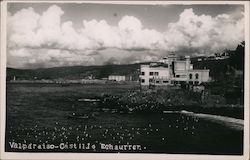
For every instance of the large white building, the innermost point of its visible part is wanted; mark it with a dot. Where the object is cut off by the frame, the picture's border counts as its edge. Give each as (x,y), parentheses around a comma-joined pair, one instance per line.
(172,70)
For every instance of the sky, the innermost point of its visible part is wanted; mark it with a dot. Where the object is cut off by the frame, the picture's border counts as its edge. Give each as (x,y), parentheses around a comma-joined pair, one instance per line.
(43,35)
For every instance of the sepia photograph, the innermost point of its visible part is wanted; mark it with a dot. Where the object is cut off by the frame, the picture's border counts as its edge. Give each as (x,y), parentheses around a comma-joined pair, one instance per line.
(137,78)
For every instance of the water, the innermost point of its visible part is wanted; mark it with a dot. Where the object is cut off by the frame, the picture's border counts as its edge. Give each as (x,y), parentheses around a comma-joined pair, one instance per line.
(39,114)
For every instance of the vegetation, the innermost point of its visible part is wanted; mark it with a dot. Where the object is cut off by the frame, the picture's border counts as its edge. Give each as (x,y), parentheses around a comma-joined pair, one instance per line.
(170,100)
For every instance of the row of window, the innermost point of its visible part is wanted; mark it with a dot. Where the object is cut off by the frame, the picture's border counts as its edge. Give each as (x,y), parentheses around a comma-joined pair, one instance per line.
(157,74)
(195,82)
(151,73)
(157,81)
(190,76)
(151,80)
(196,76)
(172,82)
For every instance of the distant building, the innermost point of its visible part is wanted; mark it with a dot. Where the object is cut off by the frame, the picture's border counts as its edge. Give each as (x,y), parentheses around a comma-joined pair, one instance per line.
(117,78)
(224,55)
(172,70)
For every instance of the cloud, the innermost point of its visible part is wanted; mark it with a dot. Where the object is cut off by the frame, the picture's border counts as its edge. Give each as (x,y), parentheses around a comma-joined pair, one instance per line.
(47,30)
(21,28)
(204,34)
(101,34)
(43,40)
(134,36)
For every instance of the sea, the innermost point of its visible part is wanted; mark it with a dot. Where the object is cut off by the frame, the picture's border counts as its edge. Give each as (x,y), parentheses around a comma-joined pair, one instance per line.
(55,118)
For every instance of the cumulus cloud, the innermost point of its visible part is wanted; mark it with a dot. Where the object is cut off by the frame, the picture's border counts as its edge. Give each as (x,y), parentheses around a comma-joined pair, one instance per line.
(43,40)
(204,34)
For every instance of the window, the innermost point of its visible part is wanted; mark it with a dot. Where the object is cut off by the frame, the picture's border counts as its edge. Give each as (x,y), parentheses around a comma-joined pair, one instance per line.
(151,73)
(190,76)
(197,76)
(150,80)
(156,73)
(142,80)
(157,81)
(190,82)
(178,76)
(196,82)
(143,73)
(165,81)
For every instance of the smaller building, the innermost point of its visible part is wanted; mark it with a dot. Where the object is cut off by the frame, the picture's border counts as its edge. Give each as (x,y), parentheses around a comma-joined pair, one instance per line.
(117,78)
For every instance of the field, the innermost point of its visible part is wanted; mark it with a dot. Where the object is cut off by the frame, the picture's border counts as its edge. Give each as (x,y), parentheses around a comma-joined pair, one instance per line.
(42,114)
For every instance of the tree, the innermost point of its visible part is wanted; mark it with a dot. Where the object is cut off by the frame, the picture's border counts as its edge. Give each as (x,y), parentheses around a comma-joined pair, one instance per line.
(237,58)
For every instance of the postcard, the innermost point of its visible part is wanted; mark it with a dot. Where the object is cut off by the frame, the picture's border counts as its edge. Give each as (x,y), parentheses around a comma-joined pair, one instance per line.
(124,80)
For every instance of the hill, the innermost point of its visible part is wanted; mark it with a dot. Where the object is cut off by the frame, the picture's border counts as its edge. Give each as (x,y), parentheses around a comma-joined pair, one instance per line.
(73,72)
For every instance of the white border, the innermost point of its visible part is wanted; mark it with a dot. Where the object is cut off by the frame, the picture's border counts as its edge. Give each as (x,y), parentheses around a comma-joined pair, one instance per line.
(122,156)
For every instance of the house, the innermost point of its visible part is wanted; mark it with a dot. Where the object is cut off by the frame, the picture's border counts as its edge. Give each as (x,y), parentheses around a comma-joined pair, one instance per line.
(172,70)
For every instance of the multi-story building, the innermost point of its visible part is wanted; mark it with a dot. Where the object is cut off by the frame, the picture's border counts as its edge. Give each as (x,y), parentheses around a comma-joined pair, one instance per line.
(172,70)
